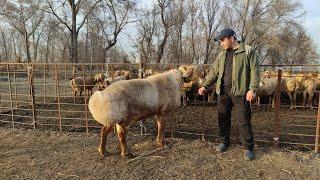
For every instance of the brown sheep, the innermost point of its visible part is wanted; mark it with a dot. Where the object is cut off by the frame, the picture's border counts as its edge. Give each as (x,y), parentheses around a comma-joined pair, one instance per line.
(126,102)
(307,84)
(193,80)
(125,73)
(100,78)
(149,72)
(80,84)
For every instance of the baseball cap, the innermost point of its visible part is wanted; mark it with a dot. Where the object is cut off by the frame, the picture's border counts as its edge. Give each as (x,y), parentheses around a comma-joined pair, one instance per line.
(225,33)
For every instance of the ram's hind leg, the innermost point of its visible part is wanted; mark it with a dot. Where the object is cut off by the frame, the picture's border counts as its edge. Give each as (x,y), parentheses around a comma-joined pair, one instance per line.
(161,127)
(121,130)
(105,130)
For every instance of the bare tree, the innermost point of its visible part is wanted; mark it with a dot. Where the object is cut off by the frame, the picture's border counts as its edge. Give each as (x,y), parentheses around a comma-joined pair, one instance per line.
(24,16)
(77,9)
(166,22)
(147,28)
(4,44)
(210,23)
(112,17)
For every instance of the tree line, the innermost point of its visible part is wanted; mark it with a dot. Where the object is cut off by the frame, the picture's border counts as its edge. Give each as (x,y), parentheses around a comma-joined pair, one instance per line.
(167,31)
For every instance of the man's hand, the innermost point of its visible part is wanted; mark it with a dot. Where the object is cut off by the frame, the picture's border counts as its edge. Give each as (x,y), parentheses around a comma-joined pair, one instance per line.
(250,95)
(201,91)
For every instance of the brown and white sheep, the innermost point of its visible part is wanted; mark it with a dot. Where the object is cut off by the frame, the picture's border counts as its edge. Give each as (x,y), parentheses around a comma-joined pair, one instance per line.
(193,81)
(100,78)
(268,86)
(308,84)
(126,102)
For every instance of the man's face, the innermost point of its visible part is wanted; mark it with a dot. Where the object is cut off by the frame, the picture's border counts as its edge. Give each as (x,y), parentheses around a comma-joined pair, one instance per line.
(227,42)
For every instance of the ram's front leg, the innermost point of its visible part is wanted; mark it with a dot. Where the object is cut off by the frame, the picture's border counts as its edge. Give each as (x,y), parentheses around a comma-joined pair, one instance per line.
(184,98)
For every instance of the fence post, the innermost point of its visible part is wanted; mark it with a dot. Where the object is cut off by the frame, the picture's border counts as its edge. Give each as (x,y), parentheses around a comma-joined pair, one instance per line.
(85,97)
(15,86)
(316,144)
(58,97)
(277,110)
(11,102)
(31,88)
(44,82)
(74,76)
(140,70)
(65,79)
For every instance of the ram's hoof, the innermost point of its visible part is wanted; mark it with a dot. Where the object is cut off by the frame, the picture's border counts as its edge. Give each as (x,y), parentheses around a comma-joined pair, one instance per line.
(127,156)
(103,153)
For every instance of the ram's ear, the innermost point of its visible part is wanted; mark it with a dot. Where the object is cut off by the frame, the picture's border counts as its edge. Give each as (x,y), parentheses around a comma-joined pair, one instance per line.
(188,72)
(182,68)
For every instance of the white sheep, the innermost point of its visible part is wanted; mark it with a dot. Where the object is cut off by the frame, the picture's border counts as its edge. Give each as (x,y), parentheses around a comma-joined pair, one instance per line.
(126,102)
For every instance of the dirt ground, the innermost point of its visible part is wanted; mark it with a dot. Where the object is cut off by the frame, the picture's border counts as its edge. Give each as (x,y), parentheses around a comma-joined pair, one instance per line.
(38,154)
(46,153)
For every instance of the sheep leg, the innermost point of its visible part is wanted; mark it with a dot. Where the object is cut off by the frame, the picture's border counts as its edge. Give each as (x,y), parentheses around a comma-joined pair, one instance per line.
(269,102)
(161,126)
(310,100)
(121,130)
(304,98)
(105,130)
(184,99)
(291,99)
(294,99)
(273,98)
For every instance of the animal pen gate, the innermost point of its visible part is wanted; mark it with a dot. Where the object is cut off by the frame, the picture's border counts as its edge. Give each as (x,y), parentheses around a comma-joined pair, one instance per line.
(39,96)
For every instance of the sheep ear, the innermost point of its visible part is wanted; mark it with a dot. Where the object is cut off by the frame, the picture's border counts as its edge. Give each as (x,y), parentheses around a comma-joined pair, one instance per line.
(188,72)
(182,68)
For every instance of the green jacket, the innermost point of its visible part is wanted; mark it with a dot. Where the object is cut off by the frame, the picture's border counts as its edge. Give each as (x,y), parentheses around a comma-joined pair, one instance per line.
(245,71)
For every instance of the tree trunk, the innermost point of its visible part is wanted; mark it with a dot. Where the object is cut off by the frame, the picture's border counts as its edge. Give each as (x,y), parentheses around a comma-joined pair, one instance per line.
(74,35)
(27,44)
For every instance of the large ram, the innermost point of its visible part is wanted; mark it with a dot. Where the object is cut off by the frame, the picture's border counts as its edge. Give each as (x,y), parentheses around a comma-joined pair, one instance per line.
(125,102)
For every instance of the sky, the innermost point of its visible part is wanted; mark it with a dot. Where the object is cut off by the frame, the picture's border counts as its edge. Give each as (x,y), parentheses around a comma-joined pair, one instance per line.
(311,22)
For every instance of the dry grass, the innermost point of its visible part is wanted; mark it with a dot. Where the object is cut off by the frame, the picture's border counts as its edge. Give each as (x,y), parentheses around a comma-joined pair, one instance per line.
(28,154)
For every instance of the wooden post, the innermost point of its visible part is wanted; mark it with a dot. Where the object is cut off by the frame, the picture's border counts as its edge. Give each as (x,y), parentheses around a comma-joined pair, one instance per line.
(140,74)
(85,99)
(316,144)
(65,79)
(15,86)
(74,71)
(11,103)
(31,88)
(58,97)
(277,110)
(44,82)
(73,76)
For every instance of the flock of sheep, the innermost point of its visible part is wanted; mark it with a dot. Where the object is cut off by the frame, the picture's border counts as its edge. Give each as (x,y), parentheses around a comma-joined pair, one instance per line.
(132,99)
(291,84)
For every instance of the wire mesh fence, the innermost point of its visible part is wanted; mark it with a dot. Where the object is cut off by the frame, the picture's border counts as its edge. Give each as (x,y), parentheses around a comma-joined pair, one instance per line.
(39,96)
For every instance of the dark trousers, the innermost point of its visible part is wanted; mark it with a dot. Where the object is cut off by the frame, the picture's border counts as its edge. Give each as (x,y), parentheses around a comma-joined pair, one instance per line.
(243,116)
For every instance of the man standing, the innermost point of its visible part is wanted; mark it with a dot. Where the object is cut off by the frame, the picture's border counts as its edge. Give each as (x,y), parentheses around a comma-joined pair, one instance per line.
(236,74)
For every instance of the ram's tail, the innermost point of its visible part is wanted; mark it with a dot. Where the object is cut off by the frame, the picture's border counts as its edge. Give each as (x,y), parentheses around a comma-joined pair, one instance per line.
(98,108)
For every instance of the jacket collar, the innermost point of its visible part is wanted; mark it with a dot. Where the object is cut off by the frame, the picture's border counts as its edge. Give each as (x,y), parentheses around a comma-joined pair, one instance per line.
(239,50)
